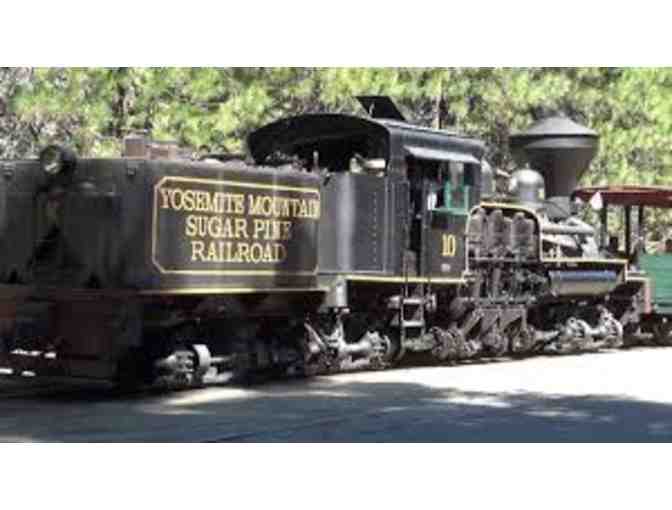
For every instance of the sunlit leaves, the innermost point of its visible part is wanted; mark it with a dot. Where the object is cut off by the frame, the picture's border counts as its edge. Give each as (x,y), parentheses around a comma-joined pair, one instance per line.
(213,109)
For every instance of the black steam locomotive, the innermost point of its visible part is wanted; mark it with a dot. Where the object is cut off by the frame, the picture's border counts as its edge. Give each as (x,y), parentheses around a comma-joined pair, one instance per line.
(339,242)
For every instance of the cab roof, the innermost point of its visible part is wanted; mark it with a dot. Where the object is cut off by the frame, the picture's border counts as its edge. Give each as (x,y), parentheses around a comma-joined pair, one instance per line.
(399,138)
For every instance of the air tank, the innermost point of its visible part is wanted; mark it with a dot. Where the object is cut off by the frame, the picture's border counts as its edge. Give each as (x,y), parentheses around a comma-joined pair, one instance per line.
(559,148)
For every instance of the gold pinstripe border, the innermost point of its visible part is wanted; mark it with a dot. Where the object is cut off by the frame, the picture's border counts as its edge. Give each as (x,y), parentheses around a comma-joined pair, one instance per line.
(402,279)
(229,290)
(221,272)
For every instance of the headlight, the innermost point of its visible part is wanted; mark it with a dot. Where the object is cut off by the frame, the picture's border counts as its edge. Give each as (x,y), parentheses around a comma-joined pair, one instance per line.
(55,160)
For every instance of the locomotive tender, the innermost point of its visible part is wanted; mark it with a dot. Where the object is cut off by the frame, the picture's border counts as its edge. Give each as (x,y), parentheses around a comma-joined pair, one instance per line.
(346,242)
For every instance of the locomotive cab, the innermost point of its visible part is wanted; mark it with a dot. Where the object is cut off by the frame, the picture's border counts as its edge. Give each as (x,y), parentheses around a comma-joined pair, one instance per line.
(395,196)
(443,191)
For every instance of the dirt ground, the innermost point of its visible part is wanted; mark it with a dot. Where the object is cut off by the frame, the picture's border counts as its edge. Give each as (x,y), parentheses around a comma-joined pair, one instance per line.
(607,396)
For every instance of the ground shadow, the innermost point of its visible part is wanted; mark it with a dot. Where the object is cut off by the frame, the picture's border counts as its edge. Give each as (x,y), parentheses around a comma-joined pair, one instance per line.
(329,409)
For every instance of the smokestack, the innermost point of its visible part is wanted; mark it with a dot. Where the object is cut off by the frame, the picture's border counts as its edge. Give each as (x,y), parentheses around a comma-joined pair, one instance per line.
(559,148)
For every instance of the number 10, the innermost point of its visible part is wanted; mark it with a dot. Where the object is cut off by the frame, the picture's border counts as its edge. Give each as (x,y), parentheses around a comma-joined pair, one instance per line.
(449,245)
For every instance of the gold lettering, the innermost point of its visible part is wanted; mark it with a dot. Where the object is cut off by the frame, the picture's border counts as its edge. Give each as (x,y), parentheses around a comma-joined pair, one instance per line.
(238,203)
(286,227)
(244,252)
(253,205)
(315,209)
(173,200)
(197,249)
(449,245)
(227,247)
(228,229)
(259,226)
(284,210)
(267,205)
(220,219)
(202,201)
(186,199)
(165,195)
(279,252)
(241,228)
(215,227)
(192,228)
(268,254)
(256,253)
(240,252)
(282,207)
(304,209)
(212,252)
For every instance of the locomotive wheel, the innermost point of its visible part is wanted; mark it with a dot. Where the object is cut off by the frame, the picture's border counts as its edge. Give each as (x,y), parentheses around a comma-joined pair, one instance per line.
(203,359)
(662,334)
(630,332)
(521,340)
(498,344)
(395,351)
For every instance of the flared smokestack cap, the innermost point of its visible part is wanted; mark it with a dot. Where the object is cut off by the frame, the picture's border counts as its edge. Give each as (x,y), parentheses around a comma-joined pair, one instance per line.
(559,148)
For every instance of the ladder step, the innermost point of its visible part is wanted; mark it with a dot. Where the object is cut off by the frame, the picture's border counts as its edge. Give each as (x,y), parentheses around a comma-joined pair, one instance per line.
(413,324)
(396,302)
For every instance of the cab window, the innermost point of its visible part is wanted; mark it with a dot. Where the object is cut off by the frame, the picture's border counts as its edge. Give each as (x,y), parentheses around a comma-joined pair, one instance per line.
(451,192)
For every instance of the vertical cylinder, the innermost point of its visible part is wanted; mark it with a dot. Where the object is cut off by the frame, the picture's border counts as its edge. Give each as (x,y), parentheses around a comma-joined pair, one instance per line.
(604,230)
(628,229)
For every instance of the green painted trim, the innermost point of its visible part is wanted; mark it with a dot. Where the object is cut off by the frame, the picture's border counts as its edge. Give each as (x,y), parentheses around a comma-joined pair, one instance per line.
(461,210)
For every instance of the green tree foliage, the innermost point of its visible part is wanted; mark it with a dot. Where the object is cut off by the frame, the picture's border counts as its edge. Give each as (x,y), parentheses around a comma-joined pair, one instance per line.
(213,109)
(17,136)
